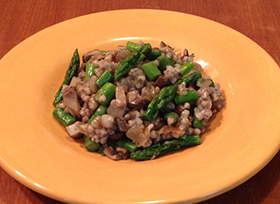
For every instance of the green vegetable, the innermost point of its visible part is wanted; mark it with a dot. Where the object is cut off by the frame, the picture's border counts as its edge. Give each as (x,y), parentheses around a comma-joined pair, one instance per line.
(104,52)
(146,49)
(172,115)
(196,123)
(151,70)
(91,146)
(186,68)
(165,95)
(163,62)
(90,70)
(169,145)
(98,112)
(201,80)
(70,73)
(106,76)
(127,144)
(133,47)
(191,77)
(190,96)
(63,118)
(127,64)
(107,92)
(152,55)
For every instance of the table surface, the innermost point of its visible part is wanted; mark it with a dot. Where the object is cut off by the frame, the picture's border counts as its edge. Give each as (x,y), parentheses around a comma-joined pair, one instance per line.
(257,19)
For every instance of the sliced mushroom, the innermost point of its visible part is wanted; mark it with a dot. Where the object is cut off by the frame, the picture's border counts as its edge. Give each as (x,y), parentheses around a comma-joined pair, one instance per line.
(135,100)
(123,127)
(179,110)
(173,131)
(111,153)
(163,45)
(73,130)
(71,101)
(117,135)
(162,81)
(117,106)
(93,55)
(122,151)
(82,67)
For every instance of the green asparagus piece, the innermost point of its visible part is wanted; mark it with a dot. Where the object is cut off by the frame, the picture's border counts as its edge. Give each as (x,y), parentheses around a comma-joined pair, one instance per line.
(98,112)
(90,70)
(70,73)
(196,123)
(104,52)
(172,115)
(91,146)
(146,49)
(126,65)
(127,144)
(190,96)
(201,80)
(105,94)
(186,68)
(151,70)
(191,77)
(165,95)
(154,54)
(133,47)
(163,62)
(106,76)
(63,118)
(169,145)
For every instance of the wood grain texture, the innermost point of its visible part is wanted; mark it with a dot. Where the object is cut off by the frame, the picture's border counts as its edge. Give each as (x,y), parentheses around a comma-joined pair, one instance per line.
(259,20)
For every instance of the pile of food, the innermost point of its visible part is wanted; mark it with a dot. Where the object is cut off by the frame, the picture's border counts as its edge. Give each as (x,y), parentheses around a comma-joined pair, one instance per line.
(137,101)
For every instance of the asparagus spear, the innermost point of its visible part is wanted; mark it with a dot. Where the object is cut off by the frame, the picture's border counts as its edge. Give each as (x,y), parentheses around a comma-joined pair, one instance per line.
(170,145)
(106,76)
(128,63)
(163,62)
(171,118)
(186,68)
(63,118)
(127,144)
(196,123)
(90,70)
(190,96)
(99,111)
(192,77)
(152,55)
(151,70)
(91,146)
(166,94)
(105,94)
(71,71)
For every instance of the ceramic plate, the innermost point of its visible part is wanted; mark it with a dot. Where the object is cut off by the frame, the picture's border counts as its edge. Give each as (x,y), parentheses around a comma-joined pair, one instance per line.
(242,139)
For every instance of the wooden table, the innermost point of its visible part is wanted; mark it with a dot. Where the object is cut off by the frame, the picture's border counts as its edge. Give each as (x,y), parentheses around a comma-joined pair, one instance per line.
(257,19)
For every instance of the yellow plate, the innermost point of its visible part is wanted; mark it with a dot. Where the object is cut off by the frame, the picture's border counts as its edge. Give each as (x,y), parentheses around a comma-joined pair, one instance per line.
(242,139)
